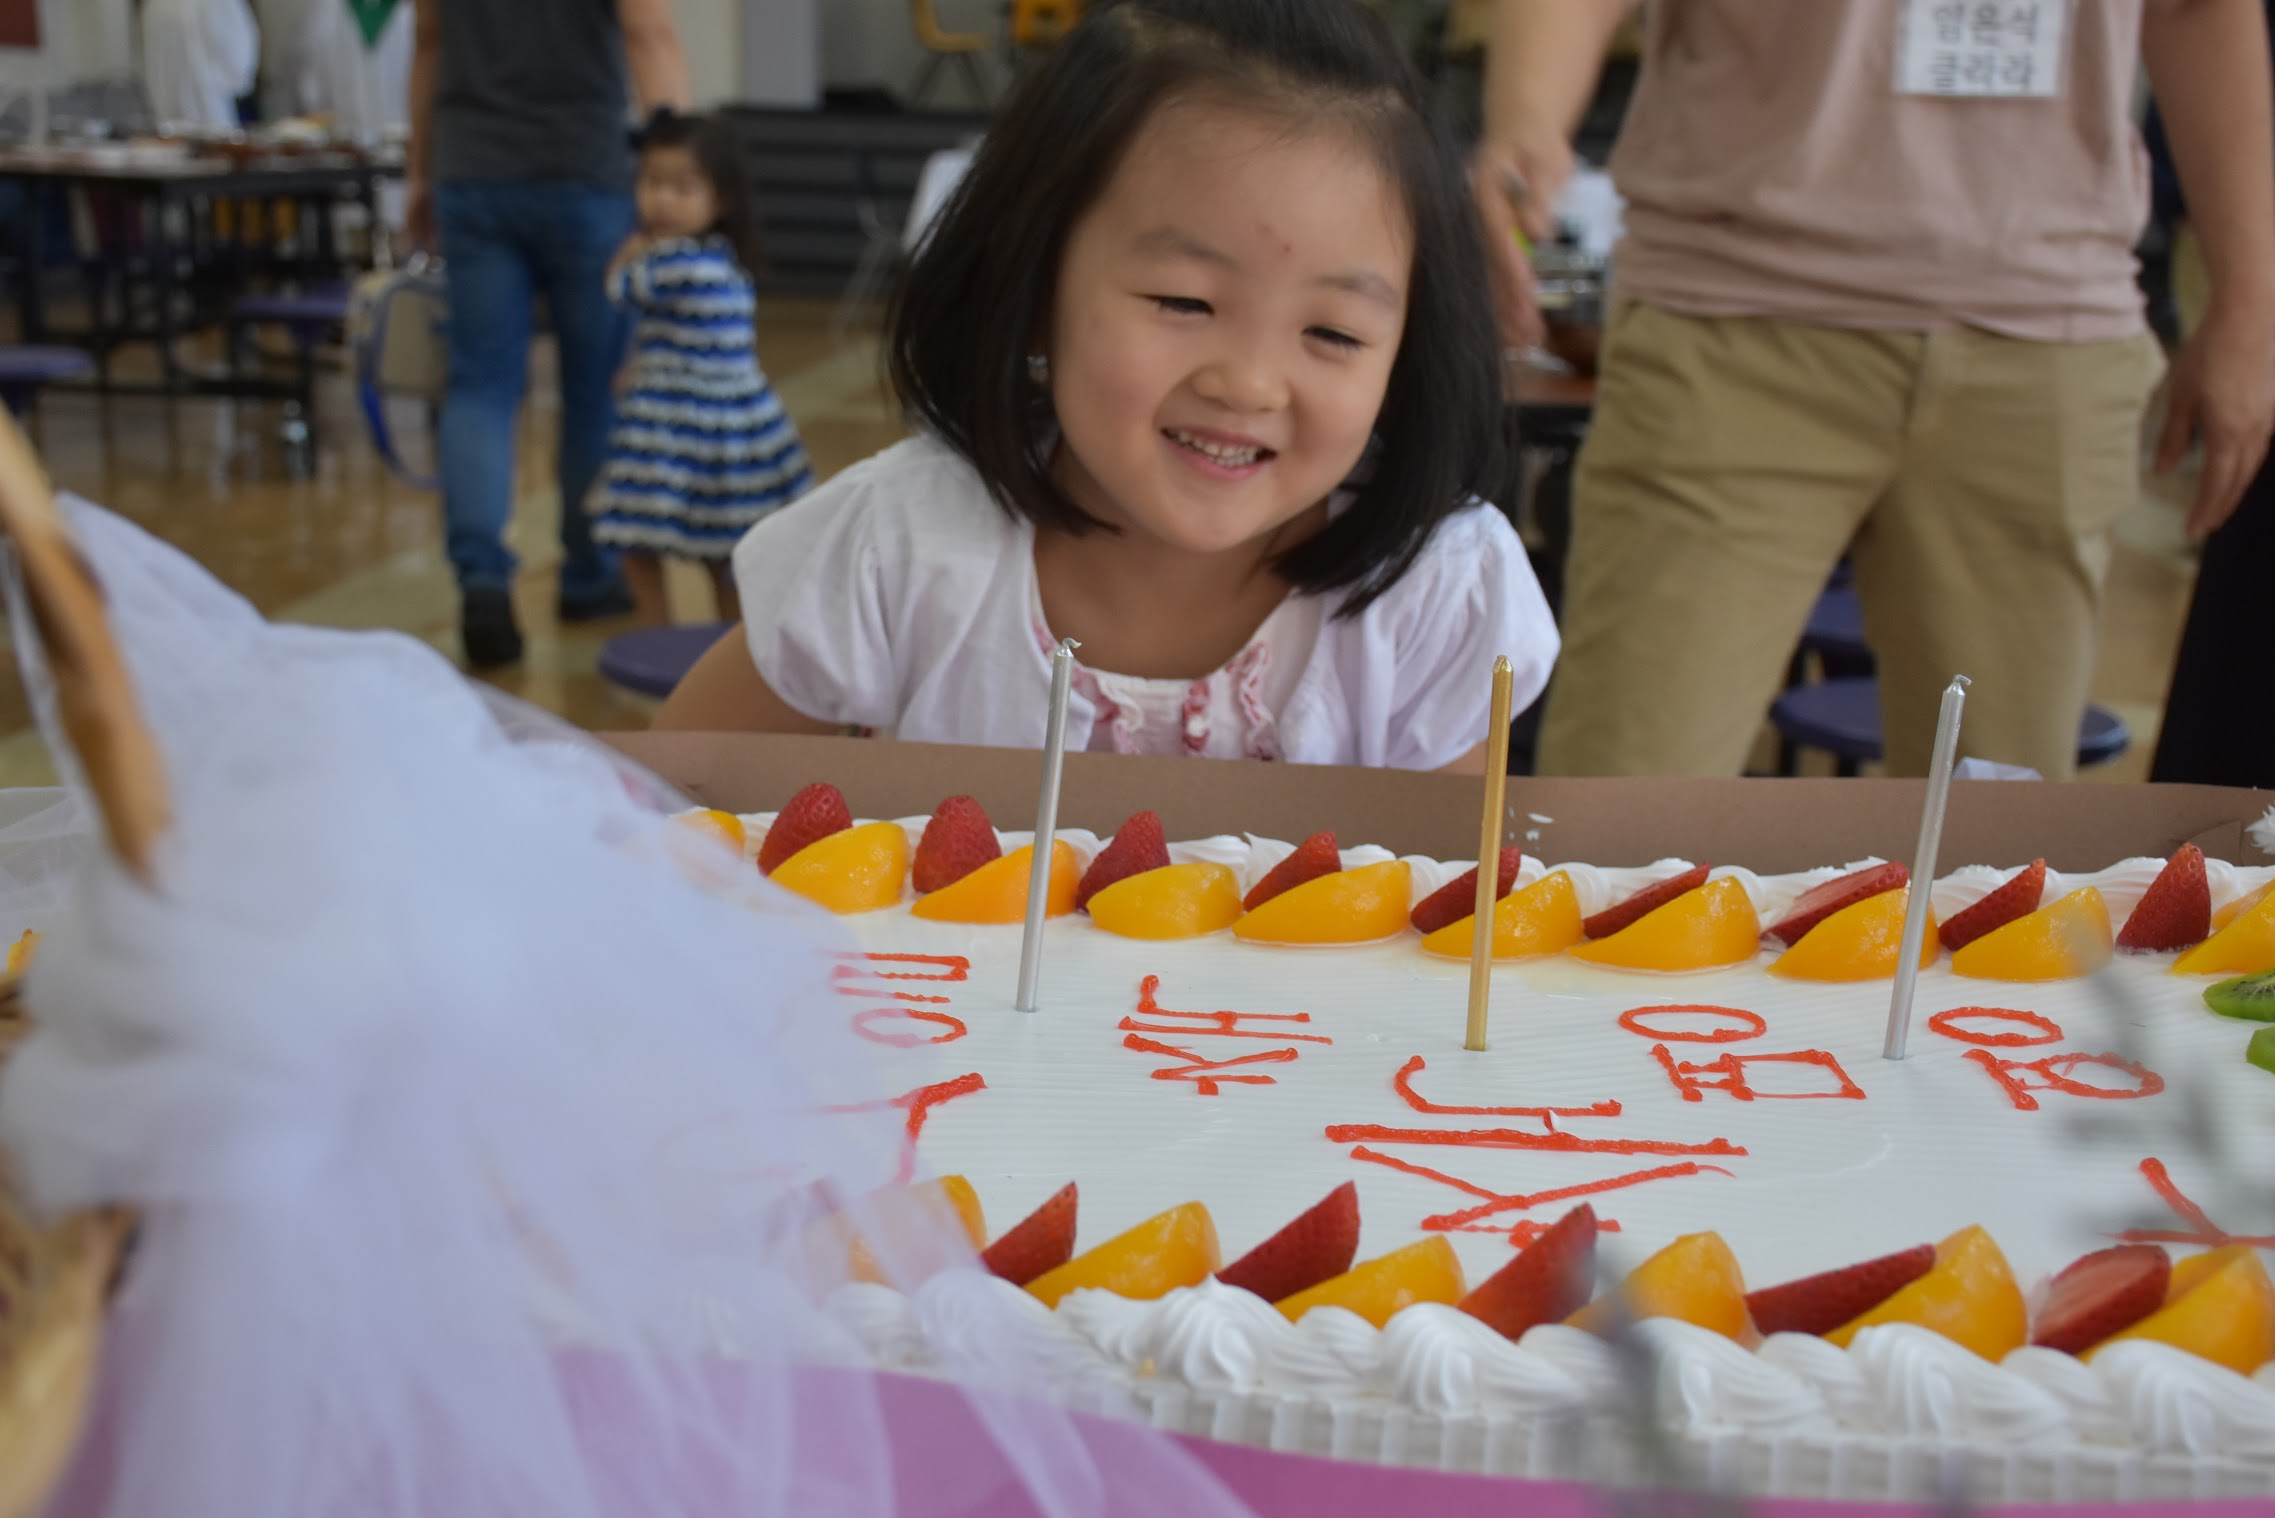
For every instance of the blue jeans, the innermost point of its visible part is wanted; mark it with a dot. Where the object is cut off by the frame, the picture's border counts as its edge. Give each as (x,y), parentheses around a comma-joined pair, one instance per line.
(503,244)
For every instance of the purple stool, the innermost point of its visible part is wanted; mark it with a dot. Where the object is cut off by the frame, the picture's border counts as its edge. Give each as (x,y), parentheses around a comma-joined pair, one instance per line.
(308,317)
(1842,717)
(24,371)
(653,660)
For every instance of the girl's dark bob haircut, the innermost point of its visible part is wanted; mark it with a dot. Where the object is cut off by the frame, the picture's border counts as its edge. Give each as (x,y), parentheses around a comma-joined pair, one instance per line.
(979,293)
(718,152)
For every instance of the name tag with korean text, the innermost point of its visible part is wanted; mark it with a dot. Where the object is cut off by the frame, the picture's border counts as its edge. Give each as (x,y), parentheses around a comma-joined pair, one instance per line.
(1983,49)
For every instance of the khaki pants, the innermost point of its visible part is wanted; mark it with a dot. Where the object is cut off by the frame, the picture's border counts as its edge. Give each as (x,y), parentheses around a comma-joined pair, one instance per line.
(1973,478)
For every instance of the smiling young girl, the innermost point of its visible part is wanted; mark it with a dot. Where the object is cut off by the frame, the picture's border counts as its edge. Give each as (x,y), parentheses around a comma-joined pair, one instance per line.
(1202,357)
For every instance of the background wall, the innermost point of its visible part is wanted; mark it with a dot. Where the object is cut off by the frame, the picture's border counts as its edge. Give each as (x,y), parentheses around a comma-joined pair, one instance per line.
(79,39)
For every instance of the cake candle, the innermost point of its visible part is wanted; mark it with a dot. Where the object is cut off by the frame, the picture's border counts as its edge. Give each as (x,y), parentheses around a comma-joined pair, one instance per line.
(1046,826)
(1923,868)
(1489,853)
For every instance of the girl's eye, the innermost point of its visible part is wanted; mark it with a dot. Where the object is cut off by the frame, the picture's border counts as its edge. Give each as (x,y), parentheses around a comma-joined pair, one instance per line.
(1335,339)
(1181,305)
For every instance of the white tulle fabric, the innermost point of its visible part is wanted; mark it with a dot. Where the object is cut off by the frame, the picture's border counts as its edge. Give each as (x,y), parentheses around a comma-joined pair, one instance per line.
(477,1119)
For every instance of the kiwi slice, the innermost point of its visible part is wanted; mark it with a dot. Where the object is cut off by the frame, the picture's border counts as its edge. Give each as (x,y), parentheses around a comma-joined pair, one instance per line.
(2251,997)
(2261,1050)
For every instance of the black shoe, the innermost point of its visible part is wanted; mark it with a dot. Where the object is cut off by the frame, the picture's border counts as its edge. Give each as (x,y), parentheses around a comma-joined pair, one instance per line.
(597,606)
(485,621)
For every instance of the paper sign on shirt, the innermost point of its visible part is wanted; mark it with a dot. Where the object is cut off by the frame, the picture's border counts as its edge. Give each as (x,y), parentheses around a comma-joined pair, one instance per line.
(1982,49)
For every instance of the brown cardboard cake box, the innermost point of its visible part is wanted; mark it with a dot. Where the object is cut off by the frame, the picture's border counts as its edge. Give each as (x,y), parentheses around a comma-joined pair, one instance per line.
(1767,825)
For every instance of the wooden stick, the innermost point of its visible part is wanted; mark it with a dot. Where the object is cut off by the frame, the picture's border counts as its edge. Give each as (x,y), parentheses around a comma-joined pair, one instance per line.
(1489,853)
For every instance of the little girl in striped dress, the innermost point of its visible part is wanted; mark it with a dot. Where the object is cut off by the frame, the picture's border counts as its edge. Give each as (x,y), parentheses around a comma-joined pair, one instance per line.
(701,448)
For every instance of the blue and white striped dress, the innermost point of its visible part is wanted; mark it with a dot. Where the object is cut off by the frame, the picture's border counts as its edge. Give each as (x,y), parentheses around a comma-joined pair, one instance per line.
(701,448)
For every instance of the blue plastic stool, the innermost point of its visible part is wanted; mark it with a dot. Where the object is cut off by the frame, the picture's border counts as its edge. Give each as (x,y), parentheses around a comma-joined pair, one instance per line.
(25,371)
(653,660)
(1835,633)
(1842,717)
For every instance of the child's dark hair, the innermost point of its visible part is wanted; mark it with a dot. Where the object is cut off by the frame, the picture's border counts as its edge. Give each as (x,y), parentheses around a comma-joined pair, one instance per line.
(978,295)
(718,151)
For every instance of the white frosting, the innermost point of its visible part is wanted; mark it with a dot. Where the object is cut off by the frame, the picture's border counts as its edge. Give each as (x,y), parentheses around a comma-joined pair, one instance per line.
(1925,1385)
(1442,1360)
(1830,1371)
(1702,1379)
(1331,1353)
(2179,1403)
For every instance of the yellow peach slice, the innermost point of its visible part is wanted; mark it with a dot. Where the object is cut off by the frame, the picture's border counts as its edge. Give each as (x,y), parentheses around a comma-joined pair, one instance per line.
(2061,941)
(1859,942)
(1175,1248)
(2220,1306)
(2245,946)
(853,870)
(726,827)
(1543,918)
(21,951)
(996,892)
(1363,905)
(1696,1279)
(909,1225)
(1969,1297)
(1699,930)
(1175,901)
(1425,1271)
(2222,916)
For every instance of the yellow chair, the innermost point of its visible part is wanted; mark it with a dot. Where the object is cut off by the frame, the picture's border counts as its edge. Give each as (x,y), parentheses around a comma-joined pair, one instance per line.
(946,47)
(1039,23)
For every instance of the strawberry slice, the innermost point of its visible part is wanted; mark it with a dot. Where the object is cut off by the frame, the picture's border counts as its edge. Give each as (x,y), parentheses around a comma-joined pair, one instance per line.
(1821,902)
(2105,1293)
(1547,1283)
(1137,846)
(2177,911)
(1042,1242)
(1821,1303)
(958,840)
(1449,904)
(1318,1246)
(2017,898)
(1644,902)
(1314,857)
(812,815)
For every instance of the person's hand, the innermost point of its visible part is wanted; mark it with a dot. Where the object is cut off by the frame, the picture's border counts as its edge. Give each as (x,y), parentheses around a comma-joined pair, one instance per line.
(418,215)
(2222,389)
(1516,181)
(632,247)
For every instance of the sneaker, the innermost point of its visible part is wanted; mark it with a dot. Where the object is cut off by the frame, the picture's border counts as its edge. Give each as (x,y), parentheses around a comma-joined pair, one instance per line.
(596,606)
(485,621)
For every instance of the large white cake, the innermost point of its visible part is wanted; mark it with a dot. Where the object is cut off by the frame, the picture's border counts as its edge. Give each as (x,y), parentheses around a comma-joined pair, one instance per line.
(1256,1078)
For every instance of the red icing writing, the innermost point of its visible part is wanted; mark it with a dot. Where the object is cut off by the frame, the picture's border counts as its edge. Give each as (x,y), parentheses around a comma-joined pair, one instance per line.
(1469,1219)
(952,967)
(918,1104)
(2013,1075)
(1403,1084)
(1214,1024)
(866,1024)
(2200,1230)
(1513,1138)
(1754,1024)
(1544,1136)
(1728,1076)
(2043,1030)
(1209,1076)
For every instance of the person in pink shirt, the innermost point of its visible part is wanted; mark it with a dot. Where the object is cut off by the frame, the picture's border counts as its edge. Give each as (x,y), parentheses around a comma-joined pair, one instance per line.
(1877,297)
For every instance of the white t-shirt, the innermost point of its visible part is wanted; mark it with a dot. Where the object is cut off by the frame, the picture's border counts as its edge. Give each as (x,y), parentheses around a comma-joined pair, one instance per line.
(900,596)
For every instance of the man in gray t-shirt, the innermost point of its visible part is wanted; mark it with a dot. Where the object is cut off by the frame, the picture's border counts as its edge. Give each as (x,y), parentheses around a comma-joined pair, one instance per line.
(521,164)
